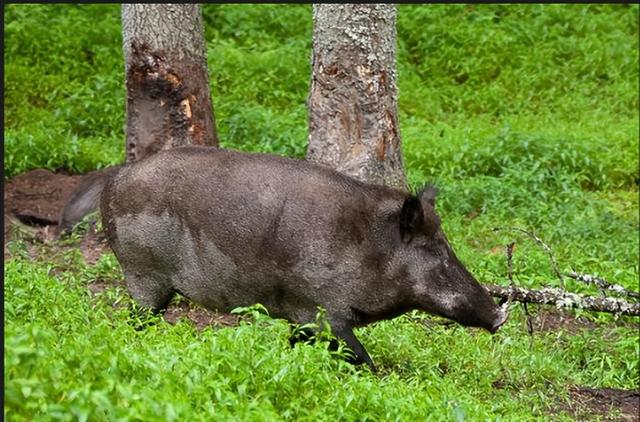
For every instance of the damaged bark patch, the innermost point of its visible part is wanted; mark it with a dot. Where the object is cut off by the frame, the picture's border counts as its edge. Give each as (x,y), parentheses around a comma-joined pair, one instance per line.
(381,149)
(160,104)
(353,70)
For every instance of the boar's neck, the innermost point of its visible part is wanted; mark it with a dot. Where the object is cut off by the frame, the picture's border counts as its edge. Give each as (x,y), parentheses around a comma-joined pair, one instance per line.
(367,316)
(386,297)
(387,294)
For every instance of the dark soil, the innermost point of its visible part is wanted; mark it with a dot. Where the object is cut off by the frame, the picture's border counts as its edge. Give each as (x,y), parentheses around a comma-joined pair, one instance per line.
(200,317)
(609,403)
(32,204)
(549,318)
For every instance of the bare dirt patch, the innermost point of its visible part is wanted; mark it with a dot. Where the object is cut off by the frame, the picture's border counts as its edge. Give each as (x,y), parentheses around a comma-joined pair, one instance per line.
(548,318)
(98,286)
(200,317)
(552,319)
(93,245)
(608,403)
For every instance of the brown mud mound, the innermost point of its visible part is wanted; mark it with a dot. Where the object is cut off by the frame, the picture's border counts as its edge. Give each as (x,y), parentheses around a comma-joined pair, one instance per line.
(35,198)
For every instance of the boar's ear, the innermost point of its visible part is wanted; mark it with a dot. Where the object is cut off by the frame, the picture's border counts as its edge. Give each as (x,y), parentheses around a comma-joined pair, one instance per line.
(411,218)
(428,194)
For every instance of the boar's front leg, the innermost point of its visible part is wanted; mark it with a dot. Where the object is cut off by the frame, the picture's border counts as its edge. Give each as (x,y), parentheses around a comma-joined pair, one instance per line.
(345,332)
(357,352)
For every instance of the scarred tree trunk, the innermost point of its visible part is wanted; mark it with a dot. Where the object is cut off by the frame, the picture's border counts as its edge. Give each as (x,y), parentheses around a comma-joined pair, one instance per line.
(353,119)
(168,97)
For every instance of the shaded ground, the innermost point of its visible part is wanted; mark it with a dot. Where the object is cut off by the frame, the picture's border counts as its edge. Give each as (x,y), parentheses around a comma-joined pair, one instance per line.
(33,201)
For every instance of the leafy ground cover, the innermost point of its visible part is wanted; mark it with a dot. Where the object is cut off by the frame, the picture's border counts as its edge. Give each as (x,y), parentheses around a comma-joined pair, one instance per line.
(524,115)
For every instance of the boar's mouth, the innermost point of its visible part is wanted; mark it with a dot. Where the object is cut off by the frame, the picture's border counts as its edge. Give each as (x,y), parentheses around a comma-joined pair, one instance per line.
(468,320)
(502,318)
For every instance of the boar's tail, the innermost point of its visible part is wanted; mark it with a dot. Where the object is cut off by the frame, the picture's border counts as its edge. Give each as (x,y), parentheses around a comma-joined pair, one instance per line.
(85,198)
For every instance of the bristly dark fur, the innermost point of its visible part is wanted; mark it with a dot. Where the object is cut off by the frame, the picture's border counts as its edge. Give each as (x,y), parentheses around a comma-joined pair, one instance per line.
(289,234)
(420,189)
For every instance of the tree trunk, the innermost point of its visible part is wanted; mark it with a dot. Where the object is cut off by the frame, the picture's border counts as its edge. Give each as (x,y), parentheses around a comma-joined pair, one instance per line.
(353,118)
(168,97)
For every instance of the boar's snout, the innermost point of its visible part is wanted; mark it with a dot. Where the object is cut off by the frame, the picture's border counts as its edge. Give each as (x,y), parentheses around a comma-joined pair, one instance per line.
(470,304)
(500,320)
(491,316)
(479,312)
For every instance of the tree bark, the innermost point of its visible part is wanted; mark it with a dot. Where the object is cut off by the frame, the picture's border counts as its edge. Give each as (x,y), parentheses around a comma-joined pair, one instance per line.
(353,117)
(168,97)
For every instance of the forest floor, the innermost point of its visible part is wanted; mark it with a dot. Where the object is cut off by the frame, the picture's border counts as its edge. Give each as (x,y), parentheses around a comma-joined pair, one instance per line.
(34,200)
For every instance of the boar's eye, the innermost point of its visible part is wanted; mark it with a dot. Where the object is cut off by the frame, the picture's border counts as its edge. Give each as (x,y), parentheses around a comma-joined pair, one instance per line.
(421,242)
(428,246)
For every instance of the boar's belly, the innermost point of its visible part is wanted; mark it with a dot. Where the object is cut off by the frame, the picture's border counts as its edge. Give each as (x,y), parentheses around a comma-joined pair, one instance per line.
(198,269)
(152,244)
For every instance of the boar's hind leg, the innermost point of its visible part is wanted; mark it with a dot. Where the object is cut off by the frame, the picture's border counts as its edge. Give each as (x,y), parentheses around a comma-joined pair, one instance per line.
(150,292)
(361,355)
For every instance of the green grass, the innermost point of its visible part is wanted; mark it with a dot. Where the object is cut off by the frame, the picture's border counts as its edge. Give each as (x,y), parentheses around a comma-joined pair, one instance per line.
(70,356)
(524,115)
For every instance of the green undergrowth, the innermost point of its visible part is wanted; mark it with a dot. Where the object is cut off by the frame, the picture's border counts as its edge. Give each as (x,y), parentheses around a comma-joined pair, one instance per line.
(560,73)
(524,116)
(73,356)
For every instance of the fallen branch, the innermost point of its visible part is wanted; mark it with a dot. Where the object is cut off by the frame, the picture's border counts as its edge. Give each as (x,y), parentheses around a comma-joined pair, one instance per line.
(564,299)
(540,242)
(603,284)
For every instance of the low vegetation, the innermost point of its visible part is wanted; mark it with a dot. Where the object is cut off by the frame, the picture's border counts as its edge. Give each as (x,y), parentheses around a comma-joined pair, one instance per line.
(524,115)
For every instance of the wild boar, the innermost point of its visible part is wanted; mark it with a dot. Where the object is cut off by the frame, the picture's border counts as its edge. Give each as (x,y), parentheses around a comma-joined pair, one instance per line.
(229,229)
